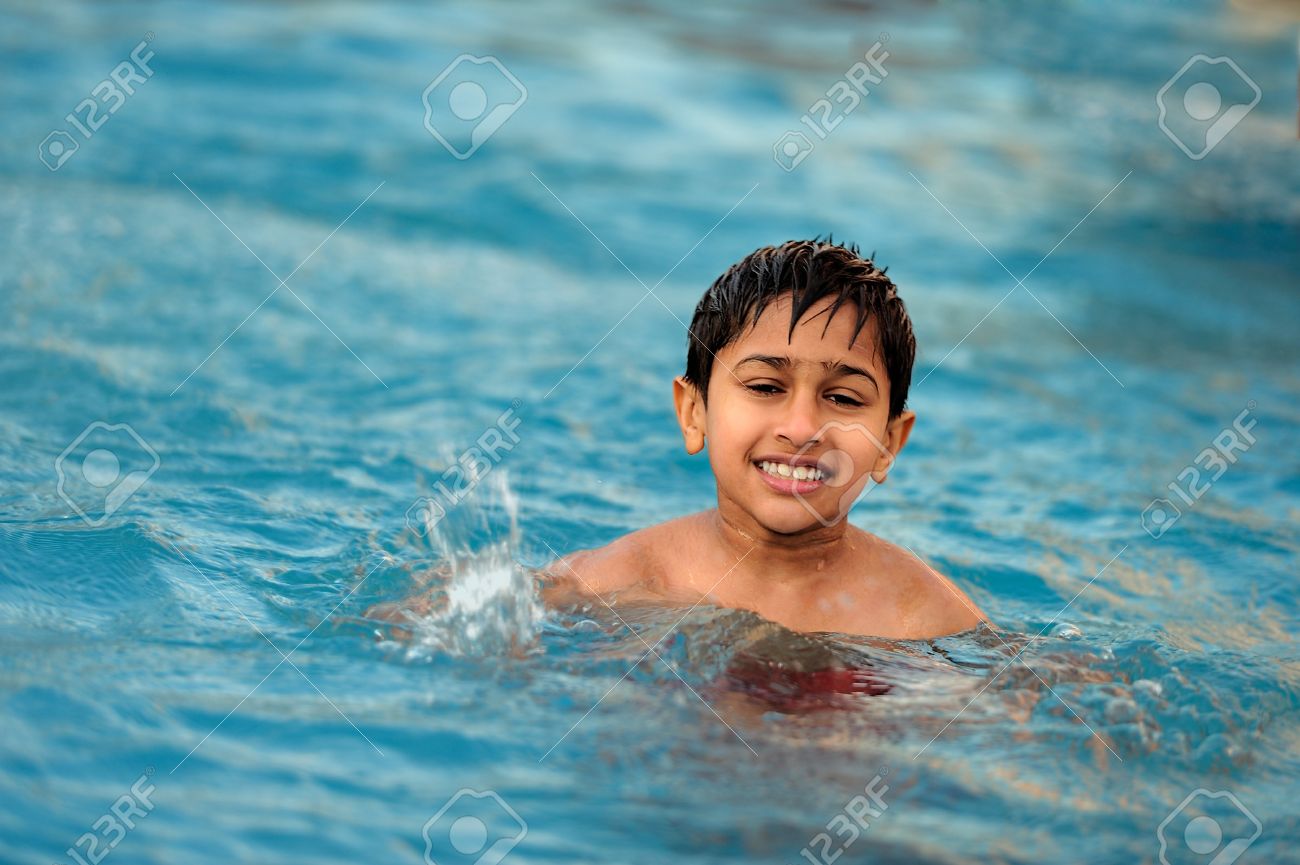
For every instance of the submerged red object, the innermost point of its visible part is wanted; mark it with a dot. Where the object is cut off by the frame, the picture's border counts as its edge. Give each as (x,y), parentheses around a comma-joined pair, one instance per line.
(787,689)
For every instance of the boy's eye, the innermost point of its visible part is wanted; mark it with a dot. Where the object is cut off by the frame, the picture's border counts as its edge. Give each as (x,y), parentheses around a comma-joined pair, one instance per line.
(840,399)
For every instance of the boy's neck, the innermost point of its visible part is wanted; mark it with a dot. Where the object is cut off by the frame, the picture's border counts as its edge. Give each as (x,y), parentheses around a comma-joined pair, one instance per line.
(771,557)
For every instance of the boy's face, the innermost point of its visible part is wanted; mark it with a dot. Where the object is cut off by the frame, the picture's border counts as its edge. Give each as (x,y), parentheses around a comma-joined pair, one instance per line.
(780,408)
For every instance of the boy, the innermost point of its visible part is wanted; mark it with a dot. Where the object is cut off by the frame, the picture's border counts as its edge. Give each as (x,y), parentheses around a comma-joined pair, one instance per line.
(797,371)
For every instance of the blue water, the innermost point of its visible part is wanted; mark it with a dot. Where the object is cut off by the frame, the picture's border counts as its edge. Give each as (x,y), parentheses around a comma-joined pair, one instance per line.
(145,646)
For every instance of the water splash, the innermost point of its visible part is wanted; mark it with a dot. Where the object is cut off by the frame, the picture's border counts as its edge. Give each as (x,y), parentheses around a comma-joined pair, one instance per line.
(490,607)
(479,600)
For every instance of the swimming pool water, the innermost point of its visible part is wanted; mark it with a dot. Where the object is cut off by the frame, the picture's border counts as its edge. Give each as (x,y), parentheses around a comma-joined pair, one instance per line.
(297,428)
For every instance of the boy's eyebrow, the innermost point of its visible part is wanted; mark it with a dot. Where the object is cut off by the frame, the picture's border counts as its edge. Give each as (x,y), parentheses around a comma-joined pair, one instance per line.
(784,363)
(844,369)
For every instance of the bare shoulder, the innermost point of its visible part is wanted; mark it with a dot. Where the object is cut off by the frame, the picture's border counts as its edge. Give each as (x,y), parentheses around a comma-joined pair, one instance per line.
(603,569)
(637,559)
(928,601)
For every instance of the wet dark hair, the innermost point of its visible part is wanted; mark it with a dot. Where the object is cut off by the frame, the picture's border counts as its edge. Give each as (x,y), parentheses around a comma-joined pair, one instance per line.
(809,271)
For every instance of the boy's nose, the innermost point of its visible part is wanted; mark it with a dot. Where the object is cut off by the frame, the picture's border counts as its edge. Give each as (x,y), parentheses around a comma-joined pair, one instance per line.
(800,423)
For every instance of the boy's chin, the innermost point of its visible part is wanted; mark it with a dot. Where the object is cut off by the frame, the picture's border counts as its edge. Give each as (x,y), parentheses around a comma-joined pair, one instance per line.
(790,518)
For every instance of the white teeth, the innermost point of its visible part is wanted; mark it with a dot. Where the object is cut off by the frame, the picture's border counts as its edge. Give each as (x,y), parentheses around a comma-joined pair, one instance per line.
(799,473)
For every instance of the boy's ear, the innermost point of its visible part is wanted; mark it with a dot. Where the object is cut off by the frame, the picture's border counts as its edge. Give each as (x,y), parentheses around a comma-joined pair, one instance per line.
(896,433)
(690,414)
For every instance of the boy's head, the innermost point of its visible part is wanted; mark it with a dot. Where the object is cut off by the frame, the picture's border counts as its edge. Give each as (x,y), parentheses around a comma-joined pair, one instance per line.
(809,271)
(801,356)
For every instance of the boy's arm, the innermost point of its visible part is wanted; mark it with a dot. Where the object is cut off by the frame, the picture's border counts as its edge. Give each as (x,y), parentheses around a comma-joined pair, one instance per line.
(956,611)
(937,606)
(588,573)
(562,580)
(401,615)
(946,609)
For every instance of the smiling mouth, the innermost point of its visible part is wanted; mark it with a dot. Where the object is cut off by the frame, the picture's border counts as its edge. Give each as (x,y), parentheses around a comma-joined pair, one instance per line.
(782,471)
